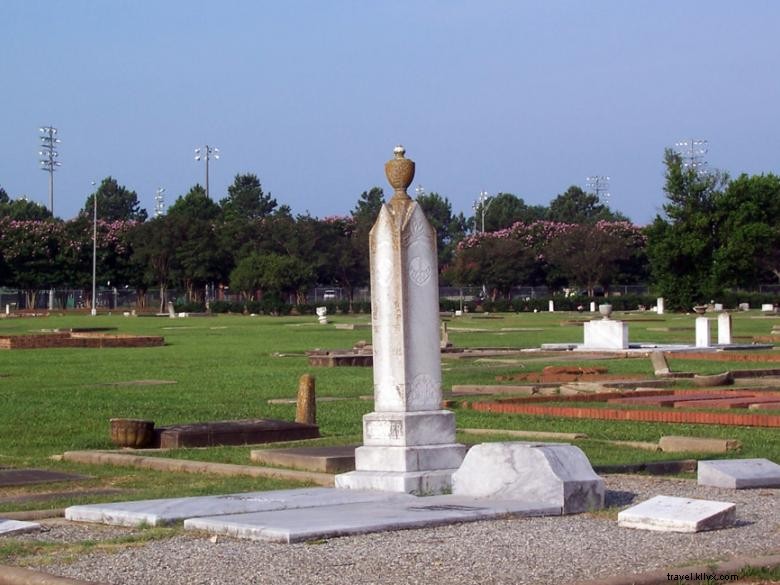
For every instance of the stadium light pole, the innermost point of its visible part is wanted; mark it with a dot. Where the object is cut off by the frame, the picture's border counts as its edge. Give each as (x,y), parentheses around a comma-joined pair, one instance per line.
(599,186)
(159,202)
(94,251)
(205,154)
(49,154)
(692,152)
(481,205)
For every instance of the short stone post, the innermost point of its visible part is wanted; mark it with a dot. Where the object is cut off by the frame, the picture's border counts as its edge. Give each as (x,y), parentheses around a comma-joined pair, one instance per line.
(171,312)
(703,332)
(551,306)
(593,306)
(306,406)
(659,305)
(8,309)
(724,329)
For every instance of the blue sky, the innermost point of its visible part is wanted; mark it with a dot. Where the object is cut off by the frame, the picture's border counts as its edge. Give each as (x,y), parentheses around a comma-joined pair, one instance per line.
(312,96)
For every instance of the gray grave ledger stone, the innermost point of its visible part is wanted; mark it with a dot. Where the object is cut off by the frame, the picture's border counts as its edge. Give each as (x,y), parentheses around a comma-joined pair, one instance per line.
(408,441)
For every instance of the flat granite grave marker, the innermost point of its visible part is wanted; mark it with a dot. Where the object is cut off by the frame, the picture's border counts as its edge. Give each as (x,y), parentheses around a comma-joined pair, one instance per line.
(14,477)
(671,514)
(233,432)
(739,473)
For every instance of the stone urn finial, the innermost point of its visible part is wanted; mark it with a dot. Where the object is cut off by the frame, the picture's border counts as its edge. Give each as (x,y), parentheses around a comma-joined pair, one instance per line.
(400,172)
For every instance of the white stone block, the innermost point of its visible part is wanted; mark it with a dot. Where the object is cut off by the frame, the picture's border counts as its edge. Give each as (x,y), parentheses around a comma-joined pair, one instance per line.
(606,334)
(593,306)
(767,307)
(421,483)
(409,458)
(8,527)
(739,473)
(403,429)
(551,306)
(703,332)
(548,473)
(659,305)
(718,307)
(724,329)
(671,514)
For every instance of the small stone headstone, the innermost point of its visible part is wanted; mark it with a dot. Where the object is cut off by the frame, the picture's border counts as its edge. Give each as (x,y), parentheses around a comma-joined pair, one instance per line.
(739,473)
(671,514)
(660,365)
(306,407)
(703,332)
(171,311)
(724,329)
(744,306)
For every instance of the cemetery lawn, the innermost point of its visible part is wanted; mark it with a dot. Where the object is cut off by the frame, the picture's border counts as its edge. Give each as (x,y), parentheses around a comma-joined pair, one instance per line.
(228,367)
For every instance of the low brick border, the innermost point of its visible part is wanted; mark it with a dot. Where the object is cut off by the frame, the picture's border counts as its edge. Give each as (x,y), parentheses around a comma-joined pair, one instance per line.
(78,339)
(665,416)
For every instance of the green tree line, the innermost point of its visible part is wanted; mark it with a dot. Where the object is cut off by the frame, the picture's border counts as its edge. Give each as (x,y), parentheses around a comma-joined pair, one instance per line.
(714,233)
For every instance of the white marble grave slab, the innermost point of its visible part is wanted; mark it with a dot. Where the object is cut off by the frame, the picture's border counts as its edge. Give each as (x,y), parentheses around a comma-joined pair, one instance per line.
(299,525)
(168,511)
(8,527)
(671,514)
(739,473)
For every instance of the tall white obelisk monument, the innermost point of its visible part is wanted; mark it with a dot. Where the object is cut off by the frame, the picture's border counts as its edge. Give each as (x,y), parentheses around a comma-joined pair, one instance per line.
(408,441)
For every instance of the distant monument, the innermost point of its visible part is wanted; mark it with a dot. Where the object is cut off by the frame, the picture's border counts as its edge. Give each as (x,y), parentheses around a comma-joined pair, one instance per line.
(605,333)
(408,441)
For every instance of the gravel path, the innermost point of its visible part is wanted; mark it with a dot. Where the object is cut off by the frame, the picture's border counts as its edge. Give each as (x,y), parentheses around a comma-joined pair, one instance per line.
(513,551)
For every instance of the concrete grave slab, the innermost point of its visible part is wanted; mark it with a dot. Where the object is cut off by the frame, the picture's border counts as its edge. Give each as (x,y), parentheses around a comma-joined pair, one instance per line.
(13,477)
(8,527)
(233,432)
(322,459)
(672,514)
(552,474)
(288,526)
(167,511)
(739,473)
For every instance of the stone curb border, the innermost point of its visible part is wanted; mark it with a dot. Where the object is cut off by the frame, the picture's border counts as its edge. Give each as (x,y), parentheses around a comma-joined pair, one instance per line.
(658,577)
(18,576)
(188,466)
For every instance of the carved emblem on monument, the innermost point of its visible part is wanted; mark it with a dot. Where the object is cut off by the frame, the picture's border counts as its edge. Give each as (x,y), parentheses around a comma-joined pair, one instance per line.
(420,271)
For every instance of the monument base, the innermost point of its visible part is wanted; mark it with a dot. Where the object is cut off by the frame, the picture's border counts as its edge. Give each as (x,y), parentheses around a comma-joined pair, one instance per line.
(419,483)
(606,334)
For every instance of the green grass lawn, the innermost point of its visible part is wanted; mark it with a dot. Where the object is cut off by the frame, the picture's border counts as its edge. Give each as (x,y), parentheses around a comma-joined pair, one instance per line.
(227,367)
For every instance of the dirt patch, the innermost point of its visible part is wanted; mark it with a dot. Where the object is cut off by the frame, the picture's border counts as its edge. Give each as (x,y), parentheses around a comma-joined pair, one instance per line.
(559,374)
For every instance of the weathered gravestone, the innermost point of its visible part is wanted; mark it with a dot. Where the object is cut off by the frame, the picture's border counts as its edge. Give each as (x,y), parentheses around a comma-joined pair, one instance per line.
(739,473)
(408,441)
(672,514)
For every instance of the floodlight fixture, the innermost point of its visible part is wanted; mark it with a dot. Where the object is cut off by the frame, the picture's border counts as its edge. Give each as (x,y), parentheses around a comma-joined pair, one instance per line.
(205,154)
(599,186)
(482,204)
(692,152)
(48,161)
